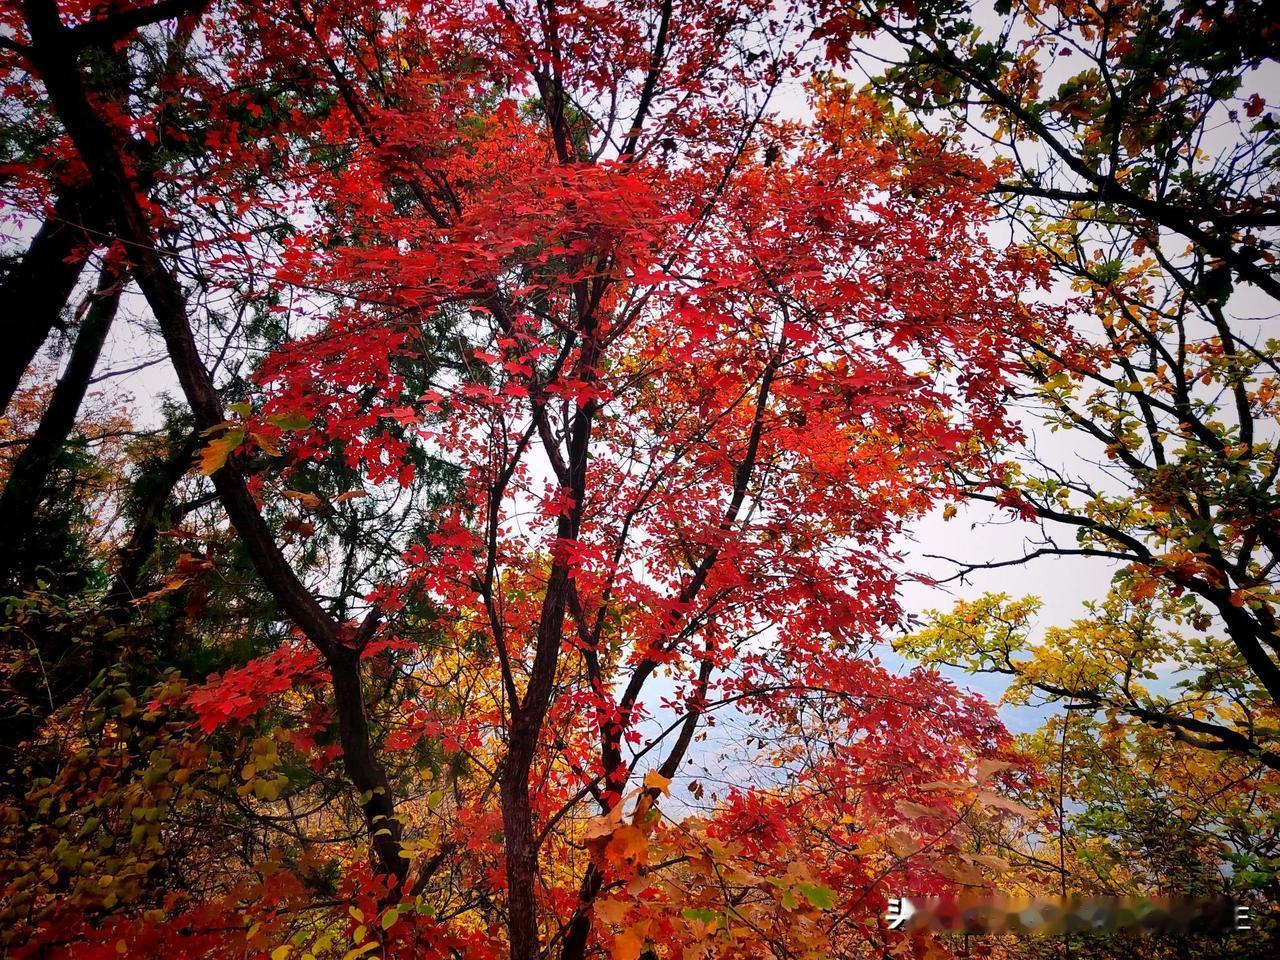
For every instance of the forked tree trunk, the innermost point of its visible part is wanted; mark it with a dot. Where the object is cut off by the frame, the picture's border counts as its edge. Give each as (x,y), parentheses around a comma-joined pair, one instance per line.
(29,479)
(37,288)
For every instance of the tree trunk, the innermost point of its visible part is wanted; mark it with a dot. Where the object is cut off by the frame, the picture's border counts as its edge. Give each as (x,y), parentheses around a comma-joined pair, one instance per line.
(362,766)
(37,288)
(29,479)
(575,938)
(519,843)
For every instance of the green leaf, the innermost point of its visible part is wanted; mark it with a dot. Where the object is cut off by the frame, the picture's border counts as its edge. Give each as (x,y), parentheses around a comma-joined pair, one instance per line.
(824,898)
(701,914)
(1108,271)
(290,421)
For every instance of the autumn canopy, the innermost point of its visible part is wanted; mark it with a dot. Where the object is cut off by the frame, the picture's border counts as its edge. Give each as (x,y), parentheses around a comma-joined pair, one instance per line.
(464,466)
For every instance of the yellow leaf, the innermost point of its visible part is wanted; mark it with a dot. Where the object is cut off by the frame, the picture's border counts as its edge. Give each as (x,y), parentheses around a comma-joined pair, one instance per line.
(169,586)
(214,456)
(290,421)
(308,500)
(998,864)
(279,953)
(656,781)
(599,829)
(869,846)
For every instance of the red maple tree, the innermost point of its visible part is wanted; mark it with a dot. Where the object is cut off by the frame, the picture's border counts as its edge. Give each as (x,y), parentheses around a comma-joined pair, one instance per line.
(710,359)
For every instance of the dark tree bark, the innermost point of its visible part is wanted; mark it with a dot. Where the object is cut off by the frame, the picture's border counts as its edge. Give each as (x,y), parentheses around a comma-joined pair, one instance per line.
(28,481)
(36,289)
(519,838)
(362,766)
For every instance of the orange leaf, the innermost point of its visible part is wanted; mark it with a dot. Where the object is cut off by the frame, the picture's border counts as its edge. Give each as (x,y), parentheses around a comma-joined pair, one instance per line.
(989,768)
(310,501)
(628,845)
(902,843)
(612,911)
(910,809)
(993,799)
(627,946)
